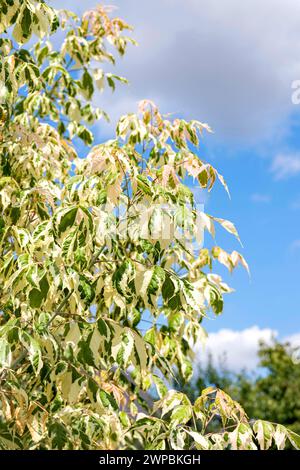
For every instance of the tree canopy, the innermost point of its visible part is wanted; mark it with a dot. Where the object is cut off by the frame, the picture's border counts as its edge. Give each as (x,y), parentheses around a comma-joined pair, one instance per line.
(270,392)
(103,286)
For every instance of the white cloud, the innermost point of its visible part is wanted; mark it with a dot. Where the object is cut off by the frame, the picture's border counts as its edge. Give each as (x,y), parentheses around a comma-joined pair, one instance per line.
(229,63)
(260,198)
(294,339)
(285,166)
(239,347)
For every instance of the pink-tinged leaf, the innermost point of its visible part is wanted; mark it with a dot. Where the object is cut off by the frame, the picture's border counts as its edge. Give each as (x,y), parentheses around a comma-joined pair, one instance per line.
(114,190)
(237,258)
(168,171)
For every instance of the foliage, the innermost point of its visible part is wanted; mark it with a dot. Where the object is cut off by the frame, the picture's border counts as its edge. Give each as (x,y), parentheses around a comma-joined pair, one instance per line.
(272,393)
(78,285)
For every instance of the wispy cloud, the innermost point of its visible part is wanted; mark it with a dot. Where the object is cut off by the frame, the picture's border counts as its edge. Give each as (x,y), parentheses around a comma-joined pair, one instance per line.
(260,198)
(295,245)
(293,339)
(182,61)
(285,166)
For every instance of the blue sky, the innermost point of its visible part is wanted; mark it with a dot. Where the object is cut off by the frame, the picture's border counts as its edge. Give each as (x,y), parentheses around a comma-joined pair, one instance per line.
(231,64)
(269,226)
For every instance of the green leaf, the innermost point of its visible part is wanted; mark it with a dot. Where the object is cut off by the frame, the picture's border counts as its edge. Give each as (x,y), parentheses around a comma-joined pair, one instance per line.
(168,288)
(25,22)
(110,82)
(215,299)
(35,298)
(123,279)
(85,355)
(87,292)
(108,400)
(87,84)
(156,281)
(58,435)
(160,386)
(5,353)
(67,220)
(44,286)
(86,135)
(144,185)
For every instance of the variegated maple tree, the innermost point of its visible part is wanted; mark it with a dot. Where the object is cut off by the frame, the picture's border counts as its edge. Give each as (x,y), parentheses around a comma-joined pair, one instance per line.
(103,284)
